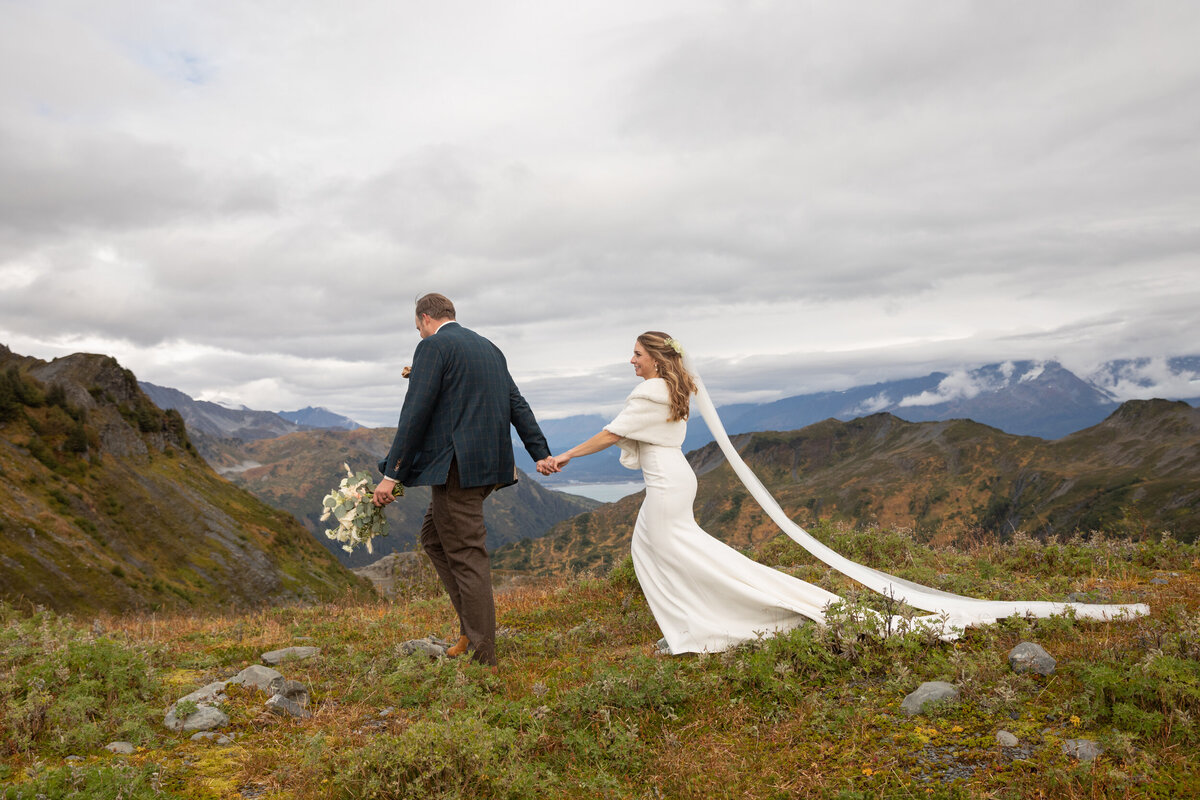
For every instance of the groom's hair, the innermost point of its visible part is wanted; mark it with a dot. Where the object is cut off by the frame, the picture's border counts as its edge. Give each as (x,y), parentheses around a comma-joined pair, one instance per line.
(437,306)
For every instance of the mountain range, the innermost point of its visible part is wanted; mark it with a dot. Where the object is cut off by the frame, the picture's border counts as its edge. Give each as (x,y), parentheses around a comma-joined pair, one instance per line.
(1136,473)
(105,504)
(1028,398)
(220,421)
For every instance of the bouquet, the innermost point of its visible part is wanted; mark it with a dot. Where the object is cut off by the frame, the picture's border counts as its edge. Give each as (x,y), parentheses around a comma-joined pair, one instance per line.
(359,520)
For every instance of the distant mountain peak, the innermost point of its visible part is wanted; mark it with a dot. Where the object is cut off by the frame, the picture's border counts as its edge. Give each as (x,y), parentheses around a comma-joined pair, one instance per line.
(213,419)
(319,417)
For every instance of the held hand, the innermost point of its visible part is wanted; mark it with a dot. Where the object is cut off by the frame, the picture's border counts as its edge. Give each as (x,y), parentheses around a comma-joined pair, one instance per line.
(546,466)
(559,462)
(383,493)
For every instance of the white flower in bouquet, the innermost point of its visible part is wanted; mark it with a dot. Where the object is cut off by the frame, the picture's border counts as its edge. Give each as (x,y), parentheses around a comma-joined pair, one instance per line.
(358,519)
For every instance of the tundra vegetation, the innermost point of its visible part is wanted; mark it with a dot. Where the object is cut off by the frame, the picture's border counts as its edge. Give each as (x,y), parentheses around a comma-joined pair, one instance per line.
(583,707)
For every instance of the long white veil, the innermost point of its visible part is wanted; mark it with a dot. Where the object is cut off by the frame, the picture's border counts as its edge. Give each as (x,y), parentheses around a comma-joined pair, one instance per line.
(960,611)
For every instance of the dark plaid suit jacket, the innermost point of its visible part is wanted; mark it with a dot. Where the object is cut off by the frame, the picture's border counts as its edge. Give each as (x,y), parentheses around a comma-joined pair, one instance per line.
(460,403)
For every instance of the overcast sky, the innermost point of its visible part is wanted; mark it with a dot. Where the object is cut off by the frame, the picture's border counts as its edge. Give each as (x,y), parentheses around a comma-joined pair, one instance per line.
(242,199)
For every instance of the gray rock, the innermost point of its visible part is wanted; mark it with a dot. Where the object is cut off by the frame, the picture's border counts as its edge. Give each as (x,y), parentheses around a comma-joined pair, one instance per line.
(212,693)
(283,707)
(73,758)
(1030,657)
(1006,739)
(259,677)
(205,718)
(279,656)
(429,646)
(1082,749)
(1159,581)
(928,692)
(120,748)
(295,691)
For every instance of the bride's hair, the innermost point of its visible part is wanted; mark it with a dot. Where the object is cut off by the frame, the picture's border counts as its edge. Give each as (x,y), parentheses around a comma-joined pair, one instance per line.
(669,362)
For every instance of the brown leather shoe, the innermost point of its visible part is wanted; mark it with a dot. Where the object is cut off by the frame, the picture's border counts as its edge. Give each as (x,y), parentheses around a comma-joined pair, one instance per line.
(458,648)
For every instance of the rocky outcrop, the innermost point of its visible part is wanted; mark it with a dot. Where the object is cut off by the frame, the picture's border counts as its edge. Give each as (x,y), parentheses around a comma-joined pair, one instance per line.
(105,506)
(198,711)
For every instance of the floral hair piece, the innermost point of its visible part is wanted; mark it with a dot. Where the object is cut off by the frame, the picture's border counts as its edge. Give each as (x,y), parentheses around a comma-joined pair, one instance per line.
(674,345)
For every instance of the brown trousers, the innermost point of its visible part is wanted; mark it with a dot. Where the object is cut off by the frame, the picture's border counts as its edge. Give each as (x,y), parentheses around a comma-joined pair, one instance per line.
(453,536)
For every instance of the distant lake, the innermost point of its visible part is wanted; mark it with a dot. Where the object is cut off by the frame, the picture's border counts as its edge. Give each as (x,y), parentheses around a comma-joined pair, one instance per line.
(604,492)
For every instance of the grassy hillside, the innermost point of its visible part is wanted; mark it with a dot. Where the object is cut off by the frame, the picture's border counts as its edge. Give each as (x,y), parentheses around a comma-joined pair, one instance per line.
(294,472)
(582,709)
(1136,472)
(104,504)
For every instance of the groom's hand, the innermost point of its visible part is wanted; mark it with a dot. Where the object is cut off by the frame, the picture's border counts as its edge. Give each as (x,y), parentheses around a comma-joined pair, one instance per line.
(383,493)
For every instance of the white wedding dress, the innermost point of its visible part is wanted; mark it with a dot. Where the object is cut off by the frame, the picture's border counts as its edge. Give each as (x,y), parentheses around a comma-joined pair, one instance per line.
(706,596)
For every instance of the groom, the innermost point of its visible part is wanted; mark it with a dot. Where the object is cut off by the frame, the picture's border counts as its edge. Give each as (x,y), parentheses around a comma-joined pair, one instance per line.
(453,435)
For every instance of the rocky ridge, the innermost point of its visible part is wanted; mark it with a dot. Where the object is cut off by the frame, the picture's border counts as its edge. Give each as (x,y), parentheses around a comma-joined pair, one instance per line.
(105,504)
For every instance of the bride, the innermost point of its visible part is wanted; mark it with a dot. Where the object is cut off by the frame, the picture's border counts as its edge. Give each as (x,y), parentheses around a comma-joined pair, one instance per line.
(705,595)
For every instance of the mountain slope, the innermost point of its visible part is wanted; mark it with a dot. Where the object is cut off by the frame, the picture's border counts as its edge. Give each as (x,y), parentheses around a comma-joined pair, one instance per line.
(211,419)
(1138,471)
(294,473)
(105,504)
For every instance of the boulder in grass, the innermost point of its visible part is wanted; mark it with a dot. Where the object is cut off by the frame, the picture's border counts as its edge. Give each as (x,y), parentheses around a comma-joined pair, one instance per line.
(429,646)
(204,718)
(1030,657)
(212,693)
(289,653)
(120,748)
(283,707)
(295,691)
(1082,749)
(258,677)
(928,692)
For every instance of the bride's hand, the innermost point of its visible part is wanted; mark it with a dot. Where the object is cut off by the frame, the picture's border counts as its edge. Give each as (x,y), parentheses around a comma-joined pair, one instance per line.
(559,462)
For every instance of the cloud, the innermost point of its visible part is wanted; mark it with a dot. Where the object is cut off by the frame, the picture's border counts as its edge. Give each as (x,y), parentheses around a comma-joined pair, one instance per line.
(960,385)
(872,405)
(1146,378)
(241,202)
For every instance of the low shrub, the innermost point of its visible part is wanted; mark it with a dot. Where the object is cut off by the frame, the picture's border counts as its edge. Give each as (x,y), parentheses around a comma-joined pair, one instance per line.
(457,758)
(69,692)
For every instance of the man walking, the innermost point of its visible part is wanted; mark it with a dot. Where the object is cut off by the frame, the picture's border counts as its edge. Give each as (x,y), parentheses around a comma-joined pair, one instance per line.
(453,435)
